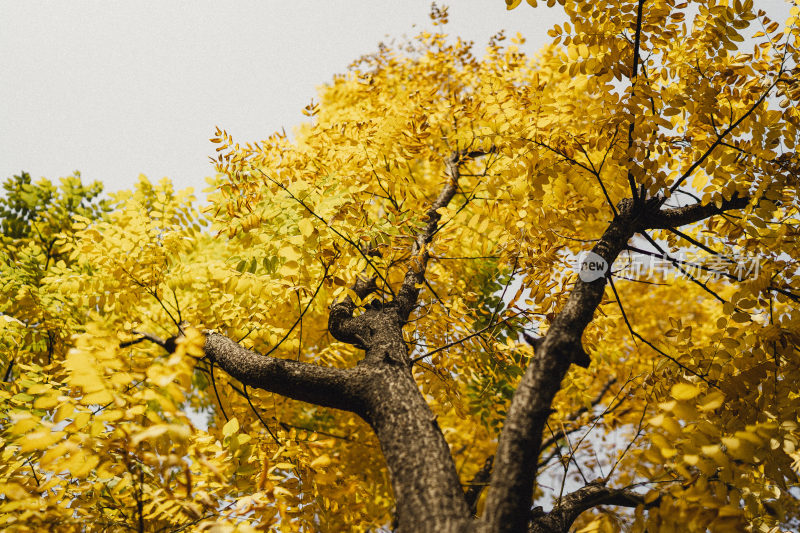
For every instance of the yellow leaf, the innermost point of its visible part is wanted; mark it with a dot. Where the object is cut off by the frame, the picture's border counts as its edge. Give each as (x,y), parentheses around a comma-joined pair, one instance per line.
(684,391)
(150,433)
(740,317)
(45,402)
(179,431)
(281,492)
(80,421)
(306,227)
(712,401)
(711,450)
(699,181)
(63,411)
(80,465)
(100,397)
(321,462)
(110,415)
(40,440)
(24,425)
(56,452)
(39,389)
(121,378)
(289,253)
(13,491)
(732,443)
(160,375)
(230,428)
(593,527)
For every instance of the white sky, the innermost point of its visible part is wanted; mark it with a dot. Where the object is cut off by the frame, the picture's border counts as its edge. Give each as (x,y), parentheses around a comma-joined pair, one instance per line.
(114,89)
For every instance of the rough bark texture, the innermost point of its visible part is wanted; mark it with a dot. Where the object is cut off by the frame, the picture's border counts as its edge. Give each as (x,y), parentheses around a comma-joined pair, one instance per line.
(680,216)
(426,487)
(510,493)
(381,389)
(328,387)
(570,507)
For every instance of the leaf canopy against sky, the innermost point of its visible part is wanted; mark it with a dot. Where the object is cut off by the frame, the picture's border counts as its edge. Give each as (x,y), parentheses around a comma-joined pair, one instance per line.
(633,115)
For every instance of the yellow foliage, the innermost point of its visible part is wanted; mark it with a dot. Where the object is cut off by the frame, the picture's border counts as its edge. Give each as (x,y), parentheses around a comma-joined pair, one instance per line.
(699,412)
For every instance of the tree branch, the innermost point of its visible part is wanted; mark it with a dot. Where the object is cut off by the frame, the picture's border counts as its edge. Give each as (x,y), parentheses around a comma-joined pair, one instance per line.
(478,483)
(328,387)
(409,290)
(725,133)
(516,461)
(634,73)
(570,507)
(680,216)
(340,319)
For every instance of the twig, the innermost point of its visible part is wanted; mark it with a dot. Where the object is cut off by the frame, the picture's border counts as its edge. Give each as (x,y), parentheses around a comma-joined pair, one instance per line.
(263,423)
(459,341)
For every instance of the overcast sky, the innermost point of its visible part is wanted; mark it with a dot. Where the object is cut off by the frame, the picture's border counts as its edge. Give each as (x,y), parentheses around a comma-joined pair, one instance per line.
(114,89)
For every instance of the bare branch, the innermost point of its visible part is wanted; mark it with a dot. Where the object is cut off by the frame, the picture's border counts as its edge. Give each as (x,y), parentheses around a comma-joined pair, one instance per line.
(216,392)
(560,434)
(596,493)
(589,169)
(466,338)
(258,415)
(348,240)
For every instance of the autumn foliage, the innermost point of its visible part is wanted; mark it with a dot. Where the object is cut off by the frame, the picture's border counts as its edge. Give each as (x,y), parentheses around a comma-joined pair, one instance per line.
(405,269)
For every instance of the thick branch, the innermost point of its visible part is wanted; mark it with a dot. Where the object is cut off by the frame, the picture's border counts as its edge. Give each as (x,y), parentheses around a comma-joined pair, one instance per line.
(424,479)
(570,507)
(328,387)
(680,216)
(561,433)
(511,489)
(510,493)
(340,320)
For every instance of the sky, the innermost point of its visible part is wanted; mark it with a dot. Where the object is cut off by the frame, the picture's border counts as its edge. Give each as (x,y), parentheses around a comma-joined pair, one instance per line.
(116,89)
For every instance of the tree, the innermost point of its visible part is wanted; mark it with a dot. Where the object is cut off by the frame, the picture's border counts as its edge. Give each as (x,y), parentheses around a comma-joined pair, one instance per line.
(37,233)
(388,323)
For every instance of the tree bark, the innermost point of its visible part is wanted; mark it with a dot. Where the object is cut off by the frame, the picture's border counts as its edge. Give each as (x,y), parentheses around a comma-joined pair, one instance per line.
(426,487)
(508,501)
(510,494)
(381,389)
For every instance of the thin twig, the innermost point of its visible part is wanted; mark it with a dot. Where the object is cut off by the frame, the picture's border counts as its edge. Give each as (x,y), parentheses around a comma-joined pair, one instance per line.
(337,232)
(216,392)
(463,339)
(263,423)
